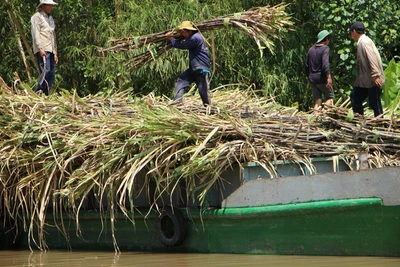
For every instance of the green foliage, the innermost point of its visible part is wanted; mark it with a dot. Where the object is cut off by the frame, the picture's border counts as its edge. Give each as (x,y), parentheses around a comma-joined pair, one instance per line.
(85,25)
(350,115)
(391,89)
(10,55)
(340,14)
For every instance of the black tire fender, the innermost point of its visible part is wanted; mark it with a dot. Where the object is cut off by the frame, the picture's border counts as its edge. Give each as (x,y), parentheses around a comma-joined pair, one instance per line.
(171,227)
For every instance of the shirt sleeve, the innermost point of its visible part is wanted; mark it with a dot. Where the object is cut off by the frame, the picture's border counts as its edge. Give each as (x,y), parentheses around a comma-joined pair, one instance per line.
(374,59)
(35,22)
(55,41)
(325,61)
(186,44)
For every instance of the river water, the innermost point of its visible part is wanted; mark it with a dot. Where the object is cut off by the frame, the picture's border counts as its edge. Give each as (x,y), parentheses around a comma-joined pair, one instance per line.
(110,259)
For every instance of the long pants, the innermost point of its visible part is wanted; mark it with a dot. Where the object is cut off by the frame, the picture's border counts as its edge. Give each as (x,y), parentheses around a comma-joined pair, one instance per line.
(49,77)
(186,78)
(359,94)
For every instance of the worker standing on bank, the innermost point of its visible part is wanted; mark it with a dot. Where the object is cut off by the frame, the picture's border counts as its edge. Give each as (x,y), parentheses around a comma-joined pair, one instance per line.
(370,76)
(44,44)
(318,71)
(199,62)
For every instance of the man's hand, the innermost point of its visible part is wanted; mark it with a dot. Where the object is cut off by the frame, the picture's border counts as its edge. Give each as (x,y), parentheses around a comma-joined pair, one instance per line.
(169,35)
(378,82)
(42,52)
(329,83)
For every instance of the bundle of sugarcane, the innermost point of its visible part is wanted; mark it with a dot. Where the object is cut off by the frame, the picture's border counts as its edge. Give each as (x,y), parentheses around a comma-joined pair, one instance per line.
(263,24)
(60,148)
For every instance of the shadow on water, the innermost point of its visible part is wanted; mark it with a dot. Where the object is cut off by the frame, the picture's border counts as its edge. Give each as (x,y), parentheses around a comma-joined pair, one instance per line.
(109,259)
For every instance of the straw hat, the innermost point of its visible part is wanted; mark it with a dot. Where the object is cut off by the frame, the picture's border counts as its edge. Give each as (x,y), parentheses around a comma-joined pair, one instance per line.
(187,25)
(47,2)
(322,34)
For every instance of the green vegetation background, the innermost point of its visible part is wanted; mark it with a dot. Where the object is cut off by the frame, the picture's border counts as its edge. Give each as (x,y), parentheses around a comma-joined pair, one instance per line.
(85,25)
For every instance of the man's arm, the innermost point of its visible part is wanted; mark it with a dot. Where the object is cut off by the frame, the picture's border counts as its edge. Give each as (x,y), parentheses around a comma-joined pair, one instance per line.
(325,67)
(35,22)
(375,63)
(188,43)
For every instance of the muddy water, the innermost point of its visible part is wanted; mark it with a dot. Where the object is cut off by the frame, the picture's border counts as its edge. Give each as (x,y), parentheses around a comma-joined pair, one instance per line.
(109,259)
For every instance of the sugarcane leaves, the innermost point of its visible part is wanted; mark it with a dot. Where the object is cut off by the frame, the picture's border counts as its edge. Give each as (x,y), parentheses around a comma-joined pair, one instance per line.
(127,145)
(350,115)
(203,144)
(226,22)
(136,40)
(261,24)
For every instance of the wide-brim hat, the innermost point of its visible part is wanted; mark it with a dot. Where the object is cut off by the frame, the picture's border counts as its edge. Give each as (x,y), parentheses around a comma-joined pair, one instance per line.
(187,25)
(322,35)
(47,2)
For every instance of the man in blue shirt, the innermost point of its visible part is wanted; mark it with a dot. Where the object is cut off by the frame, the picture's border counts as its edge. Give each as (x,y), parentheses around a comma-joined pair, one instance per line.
(199,62)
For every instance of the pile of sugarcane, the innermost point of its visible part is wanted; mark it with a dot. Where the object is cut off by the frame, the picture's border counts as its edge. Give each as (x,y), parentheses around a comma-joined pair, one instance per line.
(263,24)
(55,150)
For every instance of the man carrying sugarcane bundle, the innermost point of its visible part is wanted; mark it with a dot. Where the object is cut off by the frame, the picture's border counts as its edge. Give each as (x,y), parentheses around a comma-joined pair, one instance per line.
(199,62)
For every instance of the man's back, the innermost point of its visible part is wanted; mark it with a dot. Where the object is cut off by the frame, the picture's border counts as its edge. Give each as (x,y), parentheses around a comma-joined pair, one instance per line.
(318,64)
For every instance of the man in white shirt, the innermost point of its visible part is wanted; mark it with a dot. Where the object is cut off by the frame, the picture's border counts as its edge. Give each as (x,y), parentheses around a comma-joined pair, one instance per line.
(44,44)
(370,77)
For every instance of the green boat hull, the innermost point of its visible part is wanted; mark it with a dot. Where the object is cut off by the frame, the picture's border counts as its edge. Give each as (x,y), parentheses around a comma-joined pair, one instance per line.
(351,227)
(334,212)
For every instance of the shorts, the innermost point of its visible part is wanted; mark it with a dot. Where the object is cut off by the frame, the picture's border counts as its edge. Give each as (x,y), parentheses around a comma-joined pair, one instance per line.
(320,89)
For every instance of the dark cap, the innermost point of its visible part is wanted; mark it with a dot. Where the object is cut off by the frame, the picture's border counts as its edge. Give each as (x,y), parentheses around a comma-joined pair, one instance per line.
(358,26)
